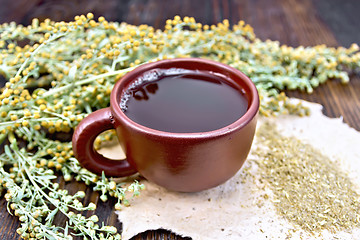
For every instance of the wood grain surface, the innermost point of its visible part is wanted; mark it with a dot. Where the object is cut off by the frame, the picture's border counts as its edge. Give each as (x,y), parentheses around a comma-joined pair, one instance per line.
(291,22)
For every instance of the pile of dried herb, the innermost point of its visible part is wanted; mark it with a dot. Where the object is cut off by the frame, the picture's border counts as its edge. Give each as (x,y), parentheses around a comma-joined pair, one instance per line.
(310,190)
(59,72)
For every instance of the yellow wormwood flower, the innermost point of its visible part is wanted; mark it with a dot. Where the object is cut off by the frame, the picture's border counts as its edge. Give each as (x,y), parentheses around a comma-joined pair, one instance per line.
(42,107)
(27,113)
(101,19)
(90,15)
(25,123)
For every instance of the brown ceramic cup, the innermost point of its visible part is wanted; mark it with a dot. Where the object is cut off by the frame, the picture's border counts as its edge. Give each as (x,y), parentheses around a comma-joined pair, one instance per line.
(185,162)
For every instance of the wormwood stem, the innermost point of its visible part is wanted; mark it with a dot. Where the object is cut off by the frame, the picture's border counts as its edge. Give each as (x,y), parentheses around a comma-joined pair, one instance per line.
(11,123)
(25,63)
(86,81)
(56,203)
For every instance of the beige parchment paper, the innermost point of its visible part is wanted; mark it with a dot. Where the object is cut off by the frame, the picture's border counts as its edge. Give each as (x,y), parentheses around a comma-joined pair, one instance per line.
(237,208)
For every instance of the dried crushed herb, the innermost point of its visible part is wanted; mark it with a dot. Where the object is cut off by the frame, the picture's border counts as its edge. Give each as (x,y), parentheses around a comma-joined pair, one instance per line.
(309,189)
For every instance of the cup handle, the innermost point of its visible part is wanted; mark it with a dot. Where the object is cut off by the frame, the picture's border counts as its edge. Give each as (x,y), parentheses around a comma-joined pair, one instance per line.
(83,146)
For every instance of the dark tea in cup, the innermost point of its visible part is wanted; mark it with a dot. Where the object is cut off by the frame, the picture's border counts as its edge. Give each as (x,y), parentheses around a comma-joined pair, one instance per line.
(185,124)
(183,101)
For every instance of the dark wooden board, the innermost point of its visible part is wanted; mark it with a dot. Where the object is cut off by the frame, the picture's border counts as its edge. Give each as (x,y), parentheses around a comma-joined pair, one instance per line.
(292,22)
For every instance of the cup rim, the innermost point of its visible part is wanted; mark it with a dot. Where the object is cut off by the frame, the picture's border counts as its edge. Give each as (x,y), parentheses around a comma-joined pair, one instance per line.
(118,90)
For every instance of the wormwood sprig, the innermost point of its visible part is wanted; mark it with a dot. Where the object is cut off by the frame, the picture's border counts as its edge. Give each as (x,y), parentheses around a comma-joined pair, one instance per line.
(59,72)
(35,199)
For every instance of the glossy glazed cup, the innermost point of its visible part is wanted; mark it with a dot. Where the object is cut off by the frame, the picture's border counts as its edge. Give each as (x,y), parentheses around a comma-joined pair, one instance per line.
(185,162)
